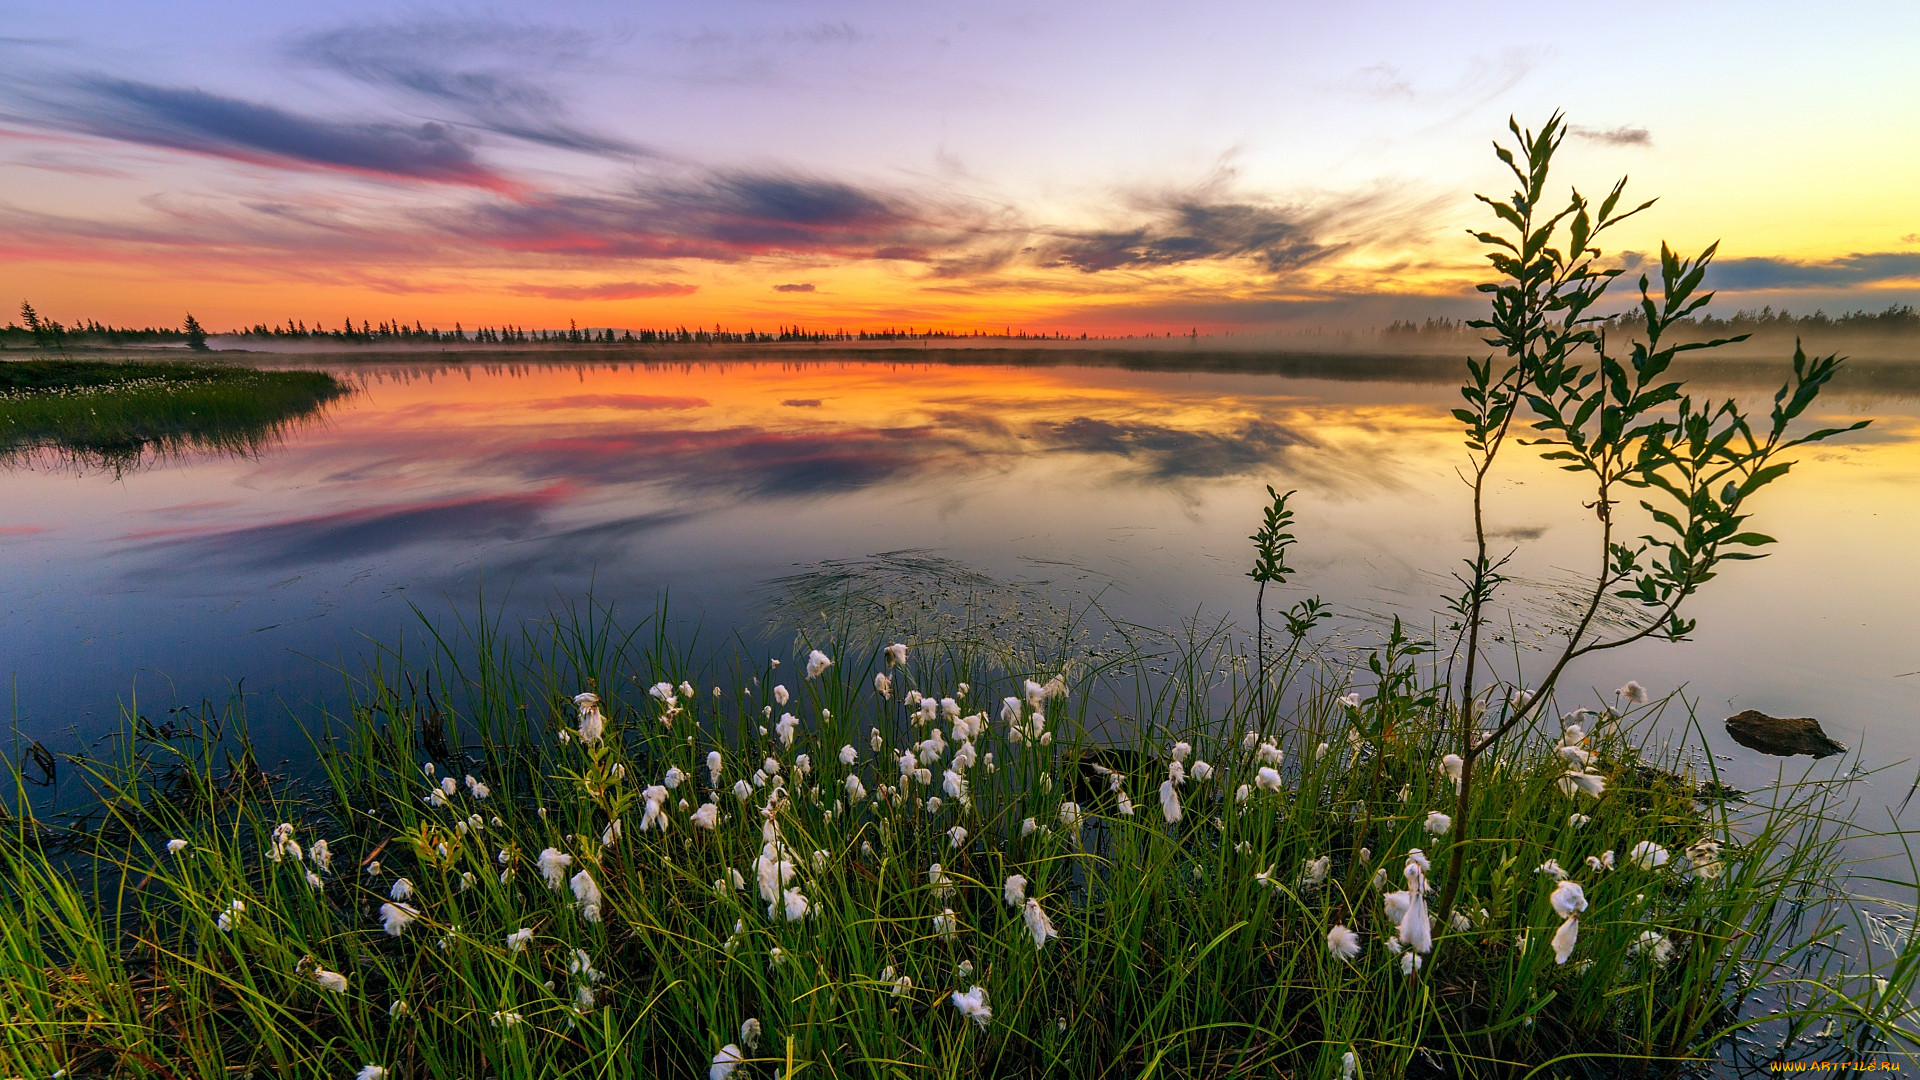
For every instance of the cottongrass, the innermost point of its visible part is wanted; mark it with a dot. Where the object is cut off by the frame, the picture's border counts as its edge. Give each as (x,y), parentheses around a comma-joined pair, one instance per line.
(1018,922)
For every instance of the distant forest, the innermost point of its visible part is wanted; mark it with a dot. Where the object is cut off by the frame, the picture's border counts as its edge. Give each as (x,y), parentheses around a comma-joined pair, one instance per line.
(1896,319)
(44,333)
(39,332)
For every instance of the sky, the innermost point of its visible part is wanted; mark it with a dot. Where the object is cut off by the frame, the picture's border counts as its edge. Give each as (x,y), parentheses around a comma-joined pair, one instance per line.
(1112,167)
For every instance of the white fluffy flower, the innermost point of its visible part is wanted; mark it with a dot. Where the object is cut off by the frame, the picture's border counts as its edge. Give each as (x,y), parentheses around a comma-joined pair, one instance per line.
(175,847)
(937,877)
(1654,943)
(1315,871)
(1268,753)
(713,768)
(395,917)
(882,684)
(587,893)
(402,889)
(728,1059)
(553,867)
(1169,802)
(592,724)
(1267,779)
(946,924)
(1438,823)
(517,941)
(707,817)
(750,1033)
(896,654)
(855,789)
(1343,943)
(817,663)
(1648,855)
(1551,868)
(957,836)
(1579,821)
(784,728)
(1242,794)
(370,1072)
(1181,750)
(1573,780)
(1016,890)
(331,981)
(1202,772)
(973,1006)
(1070,814)
(793,904)
(1350,699)
(1633,693)
(1565,938)
(1038,925)
(1454,766)
(848,755)
(1568,899)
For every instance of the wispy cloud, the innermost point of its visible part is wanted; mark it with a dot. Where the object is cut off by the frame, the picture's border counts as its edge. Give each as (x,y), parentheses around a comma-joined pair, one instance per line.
(1858,269)
(1189,231)
(612,290)
(474,69)
(201,122)
(725,215)
(1614,136)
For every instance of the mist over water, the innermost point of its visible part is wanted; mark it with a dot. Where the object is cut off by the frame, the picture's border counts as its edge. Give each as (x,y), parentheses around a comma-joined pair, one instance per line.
(1131,477)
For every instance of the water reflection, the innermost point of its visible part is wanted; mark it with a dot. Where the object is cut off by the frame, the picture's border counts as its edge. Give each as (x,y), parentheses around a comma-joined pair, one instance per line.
(1138,481)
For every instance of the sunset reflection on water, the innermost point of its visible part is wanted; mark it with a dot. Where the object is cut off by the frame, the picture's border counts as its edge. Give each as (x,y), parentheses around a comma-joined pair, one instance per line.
(707,479)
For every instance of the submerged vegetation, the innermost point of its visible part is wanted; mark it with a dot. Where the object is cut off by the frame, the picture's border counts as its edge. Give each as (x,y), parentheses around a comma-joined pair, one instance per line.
(966,836)
(112,415)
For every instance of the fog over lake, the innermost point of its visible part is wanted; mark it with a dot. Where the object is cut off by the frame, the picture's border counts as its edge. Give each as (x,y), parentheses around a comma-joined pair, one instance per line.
(1126,479)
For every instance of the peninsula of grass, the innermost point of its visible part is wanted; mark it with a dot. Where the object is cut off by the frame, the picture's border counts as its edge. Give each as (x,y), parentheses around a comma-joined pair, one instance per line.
(115,414)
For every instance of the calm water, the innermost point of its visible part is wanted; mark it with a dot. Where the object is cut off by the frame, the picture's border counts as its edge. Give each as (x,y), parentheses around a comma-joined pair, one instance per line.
(709,479)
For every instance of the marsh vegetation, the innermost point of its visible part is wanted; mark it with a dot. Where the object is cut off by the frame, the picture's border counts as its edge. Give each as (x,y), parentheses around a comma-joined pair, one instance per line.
(105,414)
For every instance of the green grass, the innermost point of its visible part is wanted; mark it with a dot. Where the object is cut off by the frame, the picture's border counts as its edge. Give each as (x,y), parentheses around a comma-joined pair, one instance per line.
(1173,958)
(113,415)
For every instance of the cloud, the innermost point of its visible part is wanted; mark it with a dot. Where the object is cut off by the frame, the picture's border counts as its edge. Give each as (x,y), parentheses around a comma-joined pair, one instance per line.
(802,287)
(1617,136)
(1849,270)
(720,215)
(200,122)
(475,68)
(1193,230)
(612,290)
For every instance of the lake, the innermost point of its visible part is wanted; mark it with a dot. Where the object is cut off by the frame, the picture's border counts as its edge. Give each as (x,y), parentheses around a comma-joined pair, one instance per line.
(705,475)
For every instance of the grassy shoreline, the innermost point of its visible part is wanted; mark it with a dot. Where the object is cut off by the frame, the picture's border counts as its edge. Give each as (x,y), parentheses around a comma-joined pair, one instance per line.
(114,414)
(1189,947)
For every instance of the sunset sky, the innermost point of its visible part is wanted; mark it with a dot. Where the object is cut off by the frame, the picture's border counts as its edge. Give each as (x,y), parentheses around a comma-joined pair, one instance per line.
(1099,167)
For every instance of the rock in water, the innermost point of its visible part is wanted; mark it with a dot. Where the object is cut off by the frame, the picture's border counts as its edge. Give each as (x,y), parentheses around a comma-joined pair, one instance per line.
(1781,736)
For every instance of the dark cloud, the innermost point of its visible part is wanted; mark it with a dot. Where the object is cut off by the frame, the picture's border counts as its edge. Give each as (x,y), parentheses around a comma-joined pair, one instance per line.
(1191,231)
(612,290)
(1616,136)
(367,531)
(720,215)
(1849,270)
(806,286)
(203,123)
(473,68)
